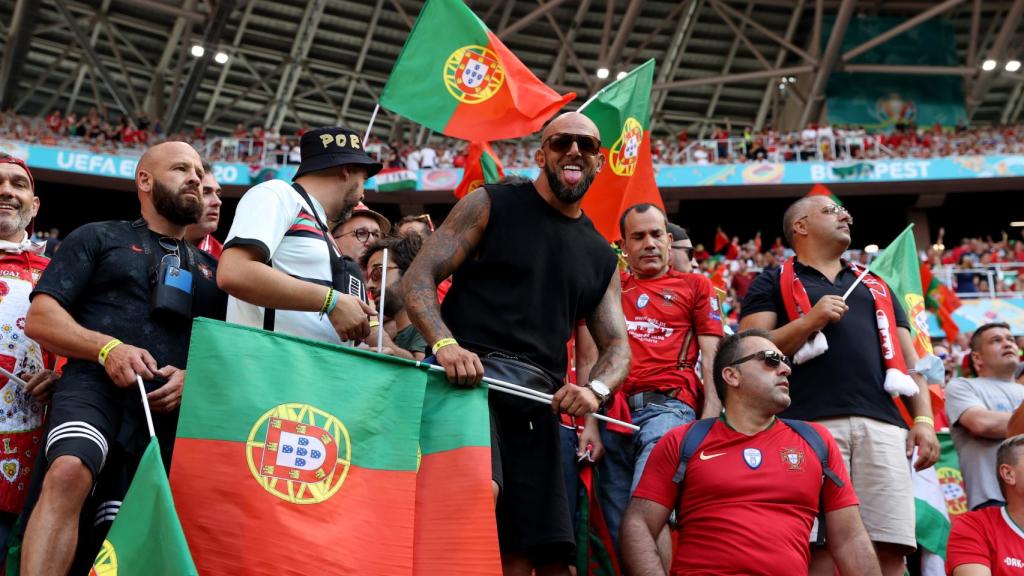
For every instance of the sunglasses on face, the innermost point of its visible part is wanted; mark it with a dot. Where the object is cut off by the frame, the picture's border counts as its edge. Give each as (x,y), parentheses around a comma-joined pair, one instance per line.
(377,274)
(771,359)
(361,234)
(686,250)
(562,143)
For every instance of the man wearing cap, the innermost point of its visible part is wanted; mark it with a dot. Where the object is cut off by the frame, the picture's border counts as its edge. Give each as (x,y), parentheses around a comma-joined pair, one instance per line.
(280,265)
(21,263)
(363,228)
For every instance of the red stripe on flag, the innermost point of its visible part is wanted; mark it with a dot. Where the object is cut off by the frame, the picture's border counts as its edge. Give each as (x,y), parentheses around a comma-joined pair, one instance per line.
(611,194)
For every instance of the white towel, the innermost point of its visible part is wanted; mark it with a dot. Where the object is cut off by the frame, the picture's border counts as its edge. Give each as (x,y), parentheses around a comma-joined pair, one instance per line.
(811,349)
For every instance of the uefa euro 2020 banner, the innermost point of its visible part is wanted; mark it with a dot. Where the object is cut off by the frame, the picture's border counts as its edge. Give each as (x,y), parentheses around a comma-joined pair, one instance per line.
(882,101)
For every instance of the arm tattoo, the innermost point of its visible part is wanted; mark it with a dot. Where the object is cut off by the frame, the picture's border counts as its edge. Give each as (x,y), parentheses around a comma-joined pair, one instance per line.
(608,326)
(442,254)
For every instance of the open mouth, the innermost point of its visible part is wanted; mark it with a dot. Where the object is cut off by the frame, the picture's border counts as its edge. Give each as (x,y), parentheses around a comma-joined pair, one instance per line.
(572,173)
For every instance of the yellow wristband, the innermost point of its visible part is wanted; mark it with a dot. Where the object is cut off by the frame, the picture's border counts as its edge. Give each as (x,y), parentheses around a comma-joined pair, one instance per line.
(105,351)
(924,420)
(442,343)
(326,306)
(374,323)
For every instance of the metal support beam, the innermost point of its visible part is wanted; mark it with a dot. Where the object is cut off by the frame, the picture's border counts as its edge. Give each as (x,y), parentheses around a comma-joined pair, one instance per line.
(972,44)
(733,48)
(738,32)
(211,38)
(996,52)
(156,87)
(226,67)
(606,30)
(911,70)
(529,18)
(370,29)
(83,64)
(780,58)
(23,23)
(43,77)
(558,67)
(567,44)
(785,43)
(730,78)
(828,61)
(186,13)
(120,64)
(675,51)
(900,29)
(1011,103)
(654,34)
(625,29)
(401,12)
(90,55)
(300,49)
(506,14)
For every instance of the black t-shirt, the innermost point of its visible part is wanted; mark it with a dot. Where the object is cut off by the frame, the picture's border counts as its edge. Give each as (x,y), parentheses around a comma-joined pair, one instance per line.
(102,276)
(535,274)
(847,380)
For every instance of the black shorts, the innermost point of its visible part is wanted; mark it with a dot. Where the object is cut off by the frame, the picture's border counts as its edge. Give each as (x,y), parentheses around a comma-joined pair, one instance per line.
(532,512)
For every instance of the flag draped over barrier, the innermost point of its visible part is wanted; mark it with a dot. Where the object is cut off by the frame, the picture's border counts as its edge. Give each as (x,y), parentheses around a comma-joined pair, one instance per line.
(621,111)
(456,77)
(300,454)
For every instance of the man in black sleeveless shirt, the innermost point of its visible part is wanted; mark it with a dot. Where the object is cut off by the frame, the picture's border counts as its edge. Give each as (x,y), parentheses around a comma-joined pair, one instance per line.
(527,265)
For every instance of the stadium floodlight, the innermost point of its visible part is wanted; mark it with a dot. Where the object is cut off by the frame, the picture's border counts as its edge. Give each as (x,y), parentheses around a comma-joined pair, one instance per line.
(1017,224)
(1013,65)
(602,73)
(988,65)
(792,79)
(198,51)
(220,57)
(620,75)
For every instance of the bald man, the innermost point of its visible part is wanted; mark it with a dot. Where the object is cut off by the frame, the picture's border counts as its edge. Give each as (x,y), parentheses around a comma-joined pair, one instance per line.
(528,266)
(100,303)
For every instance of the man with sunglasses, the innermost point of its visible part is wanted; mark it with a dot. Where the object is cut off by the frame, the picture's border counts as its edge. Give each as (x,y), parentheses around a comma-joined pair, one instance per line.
(401,252)
(681,257)
(848,352)
(528,265)
(751,489)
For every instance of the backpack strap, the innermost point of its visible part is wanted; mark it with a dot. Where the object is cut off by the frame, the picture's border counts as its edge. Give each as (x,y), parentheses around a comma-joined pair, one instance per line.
(817,444)
(691,441)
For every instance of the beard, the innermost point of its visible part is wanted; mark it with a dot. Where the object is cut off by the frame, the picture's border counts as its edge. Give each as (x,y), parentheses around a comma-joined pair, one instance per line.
(9,226)
(568,194)
(175,206)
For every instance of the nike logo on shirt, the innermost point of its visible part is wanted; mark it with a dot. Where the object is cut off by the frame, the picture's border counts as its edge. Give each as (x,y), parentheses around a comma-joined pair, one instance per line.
(704,456)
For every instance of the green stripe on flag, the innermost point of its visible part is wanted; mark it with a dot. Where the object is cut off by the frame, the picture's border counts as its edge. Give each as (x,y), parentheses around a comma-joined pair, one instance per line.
(622,99)
(490,168)
(311,377)
(453,417)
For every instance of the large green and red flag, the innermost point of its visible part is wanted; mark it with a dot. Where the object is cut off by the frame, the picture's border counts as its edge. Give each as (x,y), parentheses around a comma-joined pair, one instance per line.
(595,549)
(622,112)
(941,301)
(302,456)
(898,266)
(482,167)
(456,77)
(146,537)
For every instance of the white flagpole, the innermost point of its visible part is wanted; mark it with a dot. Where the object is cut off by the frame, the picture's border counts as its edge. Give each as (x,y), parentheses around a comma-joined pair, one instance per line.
(13,378)
(366,135)
(380,305)
(145,406)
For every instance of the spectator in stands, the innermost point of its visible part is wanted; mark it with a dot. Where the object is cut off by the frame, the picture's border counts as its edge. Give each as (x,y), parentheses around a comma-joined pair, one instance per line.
(200,234)
(750,511)
(362,228)
(55,122)
(979,409)
(848,386)
(681,256)
(401,252)
(418,224)
(989,541)
(965,277)
(427,157)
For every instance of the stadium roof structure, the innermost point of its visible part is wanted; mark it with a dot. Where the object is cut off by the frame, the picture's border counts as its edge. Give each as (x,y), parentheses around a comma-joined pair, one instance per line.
(326,61)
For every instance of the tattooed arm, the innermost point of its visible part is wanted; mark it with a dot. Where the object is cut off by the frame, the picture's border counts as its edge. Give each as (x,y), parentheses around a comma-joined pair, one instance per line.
(442,254)
(608,327)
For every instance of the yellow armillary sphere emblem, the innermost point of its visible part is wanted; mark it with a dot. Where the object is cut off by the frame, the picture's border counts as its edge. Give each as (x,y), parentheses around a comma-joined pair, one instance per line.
(106,561)
(299,453)
(623,154)
(473,74)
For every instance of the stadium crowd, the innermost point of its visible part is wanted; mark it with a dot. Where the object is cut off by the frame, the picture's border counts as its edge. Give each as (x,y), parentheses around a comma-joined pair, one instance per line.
(818,339)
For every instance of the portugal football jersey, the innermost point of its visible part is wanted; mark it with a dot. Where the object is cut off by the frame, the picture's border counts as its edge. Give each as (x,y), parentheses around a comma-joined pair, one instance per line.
(659,314)
(988,537)
(748,502)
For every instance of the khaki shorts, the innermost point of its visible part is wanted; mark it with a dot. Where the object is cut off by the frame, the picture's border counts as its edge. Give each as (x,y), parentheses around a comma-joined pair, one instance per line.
(875,456)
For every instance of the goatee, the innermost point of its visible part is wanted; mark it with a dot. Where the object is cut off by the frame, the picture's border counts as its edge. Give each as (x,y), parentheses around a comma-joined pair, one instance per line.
(567,194)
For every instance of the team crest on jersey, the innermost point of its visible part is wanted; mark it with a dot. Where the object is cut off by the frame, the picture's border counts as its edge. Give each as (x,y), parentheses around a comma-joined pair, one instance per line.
(792,458)
(472,74)
(952,483)
(106,561)
(205,271)
(624,154)
(642,301)
(299,453)
(752,456)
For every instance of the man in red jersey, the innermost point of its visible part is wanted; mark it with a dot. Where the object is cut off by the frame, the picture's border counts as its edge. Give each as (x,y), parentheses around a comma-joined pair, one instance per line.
(990,541)
(753,488)
(670,317)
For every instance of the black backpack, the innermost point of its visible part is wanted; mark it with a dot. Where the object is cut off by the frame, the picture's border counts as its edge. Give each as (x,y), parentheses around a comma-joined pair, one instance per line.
(694,437)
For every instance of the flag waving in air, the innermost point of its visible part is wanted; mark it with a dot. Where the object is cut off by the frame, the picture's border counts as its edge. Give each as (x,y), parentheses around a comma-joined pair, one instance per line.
(898,266)
(621,111)
(456,77)
(482,167)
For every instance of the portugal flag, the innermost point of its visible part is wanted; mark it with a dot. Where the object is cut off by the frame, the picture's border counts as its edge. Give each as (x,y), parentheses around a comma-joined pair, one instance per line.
(621,111)
(482,167)
(941,301)
(898,266)
(302,456)
(456,77)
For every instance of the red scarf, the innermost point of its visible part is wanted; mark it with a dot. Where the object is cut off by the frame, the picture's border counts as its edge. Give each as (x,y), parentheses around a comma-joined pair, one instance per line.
(797,303)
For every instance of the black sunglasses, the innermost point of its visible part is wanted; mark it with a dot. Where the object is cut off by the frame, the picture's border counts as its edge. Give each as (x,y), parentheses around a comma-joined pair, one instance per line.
(561,143)
(687,250)
(771,359)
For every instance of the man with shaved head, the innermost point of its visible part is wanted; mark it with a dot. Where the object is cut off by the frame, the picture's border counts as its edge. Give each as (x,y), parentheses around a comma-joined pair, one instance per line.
(527,265)
(102,303)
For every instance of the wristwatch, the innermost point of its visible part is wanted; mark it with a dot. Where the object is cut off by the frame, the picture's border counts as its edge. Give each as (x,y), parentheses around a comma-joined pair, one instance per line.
(600,389)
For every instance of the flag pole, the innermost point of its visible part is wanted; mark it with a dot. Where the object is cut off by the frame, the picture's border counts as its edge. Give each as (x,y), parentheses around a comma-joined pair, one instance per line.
(13,378)
(145,406)
(594,97)
(366,135)
(380,305)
